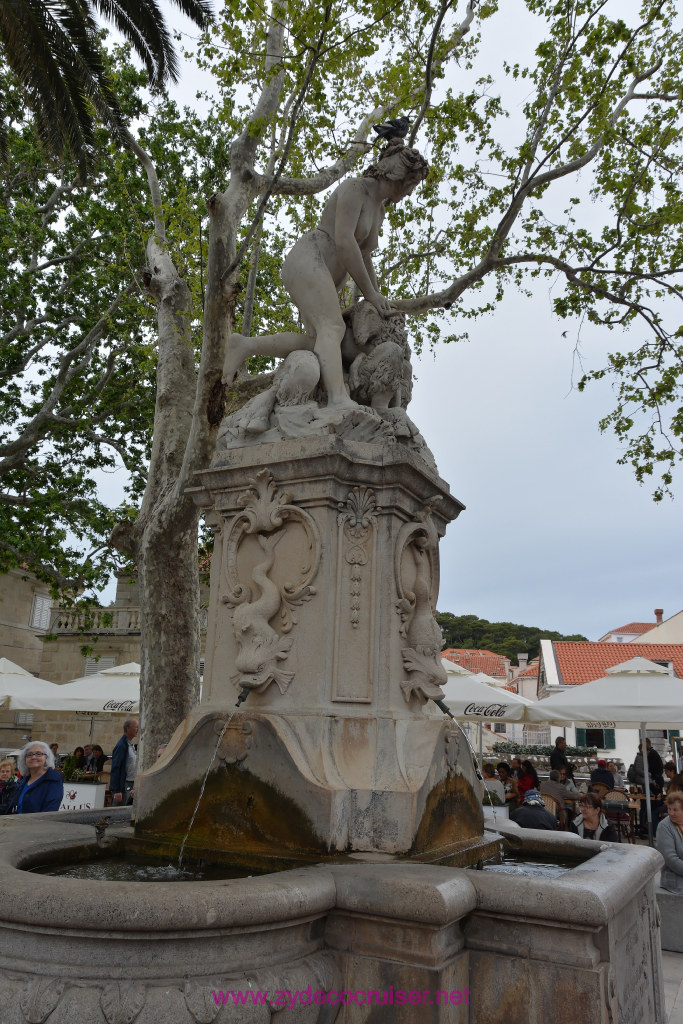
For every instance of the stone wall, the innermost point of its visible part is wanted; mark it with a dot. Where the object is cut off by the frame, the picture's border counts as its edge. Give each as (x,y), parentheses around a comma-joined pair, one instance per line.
(19,640)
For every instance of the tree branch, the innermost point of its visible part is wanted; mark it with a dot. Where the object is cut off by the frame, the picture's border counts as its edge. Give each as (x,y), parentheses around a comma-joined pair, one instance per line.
(70,365)
(462,30)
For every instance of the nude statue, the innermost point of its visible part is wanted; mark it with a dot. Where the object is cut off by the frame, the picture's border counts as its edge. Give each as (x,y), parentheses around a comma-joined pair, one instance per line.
(320,262)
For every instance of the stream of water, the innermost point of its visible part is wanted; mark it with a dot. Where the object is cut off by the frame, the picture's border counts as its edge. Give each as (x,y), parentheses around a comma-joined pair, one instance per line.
(201,791)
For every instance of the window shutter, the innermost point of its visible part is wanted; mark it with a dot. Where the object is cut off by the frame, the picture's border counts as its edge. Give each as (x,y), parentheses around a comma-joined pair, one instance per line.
(609,742)
(40,614)
(581,737)
(92,666)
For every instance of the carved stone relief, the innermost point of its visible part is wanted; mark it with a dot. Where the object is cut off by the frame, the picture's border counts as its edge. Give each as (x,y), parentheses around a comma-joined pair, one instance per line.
(356,594)
(189,1002)
(271,556)
(357,516)
(417,584)
(236,740)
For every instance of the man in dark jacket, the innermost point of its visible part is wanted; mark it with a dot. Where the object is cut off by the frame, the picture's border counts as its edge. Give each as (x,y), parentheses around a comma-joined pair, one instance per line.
(602,775)
(558,758)
(636,774)
(8,786)
(124,764)
(534,814)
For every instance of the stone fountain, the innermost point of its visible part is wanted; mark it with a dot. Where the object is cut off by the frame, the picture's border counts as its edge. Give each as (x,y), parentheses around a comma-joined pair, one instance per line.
(338,781)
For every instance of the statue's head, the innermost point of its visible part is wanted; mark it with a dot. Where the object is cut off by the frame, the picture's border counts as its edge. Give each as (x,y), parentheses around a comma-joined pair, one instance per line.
(398,162)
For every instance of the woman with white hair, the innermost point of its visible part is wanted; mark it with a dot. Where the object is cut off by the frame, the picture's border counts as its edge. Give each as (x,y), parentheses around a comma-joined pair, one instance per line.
(41,787)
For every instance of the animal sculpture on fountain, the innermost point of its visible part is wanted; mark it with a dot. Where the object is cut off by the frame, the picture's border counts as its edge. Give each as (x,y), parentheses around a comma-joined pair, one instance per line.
(358,382)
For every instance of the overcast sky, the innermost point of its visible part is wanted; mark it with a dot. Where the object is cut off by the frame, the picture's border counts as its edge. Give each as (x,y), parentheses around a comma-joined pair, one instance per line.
(555,533)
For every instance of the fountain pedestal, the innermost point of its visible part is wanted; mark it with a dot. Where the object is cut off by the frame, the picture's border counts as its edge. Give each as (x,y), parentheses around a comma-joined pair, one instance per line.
(324,580)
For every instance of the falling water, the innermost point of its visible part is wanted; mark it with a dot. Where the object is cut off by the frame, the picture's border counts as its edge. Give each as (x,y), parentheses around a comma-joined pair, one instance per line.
(479,773)
(201,791)
(446,710)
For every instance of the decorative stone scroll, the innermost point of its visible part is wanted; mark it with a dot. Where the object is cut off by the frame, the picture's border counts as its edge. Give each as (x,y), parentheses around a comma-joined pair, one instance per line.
(271,556)
(417,583)
(356,594)
(357,516)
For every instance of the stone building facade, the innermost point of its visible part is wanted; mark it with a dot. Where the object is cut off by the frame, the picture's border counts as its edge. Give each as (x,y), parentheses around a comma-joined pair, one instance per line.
(114,637)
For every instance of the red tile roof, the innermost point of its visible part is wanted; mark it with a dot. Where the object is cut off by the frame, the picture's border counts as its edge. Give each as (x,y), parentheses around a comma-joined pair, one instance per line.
(531,670)
(470,651)
(583,661)
(477,661)
(635,627)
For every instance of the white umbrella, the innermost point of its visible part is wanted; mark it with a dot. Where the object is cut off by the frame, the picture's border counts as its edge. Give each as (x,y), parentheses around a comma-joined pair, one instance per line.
(453,667)
(483,677)
(114,689)
(19,688)
(479,698)
(470,700)
(637,692)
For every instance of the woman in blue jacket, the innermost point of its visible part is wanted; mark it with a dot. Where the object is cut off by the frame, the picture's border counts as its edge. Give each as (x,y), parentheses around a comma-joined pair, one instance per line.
(41,787)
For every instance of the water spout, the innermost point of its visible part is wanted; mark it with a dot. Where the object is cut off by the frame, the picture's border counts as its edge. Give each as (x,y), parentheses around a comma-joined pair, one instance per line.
(445,708)
(244,693)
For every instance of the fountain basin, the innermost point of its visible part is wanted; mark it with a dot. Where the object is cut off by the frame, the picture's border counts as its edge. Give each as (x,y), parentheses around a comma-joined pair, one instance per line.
(153,952)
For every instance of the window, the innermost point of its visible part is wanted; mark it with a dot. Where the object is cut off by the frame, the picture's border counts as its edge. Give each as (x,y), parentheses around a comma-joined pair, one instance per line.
(92,666)
(40,613)
(499,727)
(603,739)
(665,664)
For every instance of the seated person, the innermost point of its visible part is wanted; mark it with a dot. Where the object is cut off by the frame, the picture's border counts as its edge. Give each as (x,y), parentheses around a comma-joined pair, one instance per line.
(553,787)
(670,843)
(601,775)
(528,779)
(492,784)
(98,759)
(674,779)
(8,785)
(618,781)
(567,781)
(41,787)
(533,813)
(591,823)
(509,784)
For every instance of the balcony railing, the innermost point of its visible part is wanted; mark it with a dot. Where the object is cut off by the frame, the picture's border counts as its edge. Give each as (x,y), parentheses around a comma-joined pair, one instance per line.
(104,620)
(97,620)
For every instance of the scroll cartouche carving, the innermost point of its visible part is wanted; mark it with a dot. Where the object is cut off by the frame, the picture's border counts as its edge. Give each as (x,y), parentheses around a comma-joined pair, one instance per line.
(417,582)
(270,518)
(40,997)
(358,515)
(121,1002)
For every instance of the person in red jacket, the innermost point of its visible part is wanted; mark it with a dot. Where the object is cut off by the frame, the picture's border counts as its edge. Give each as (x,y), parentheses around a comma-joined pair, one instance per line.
(527,780)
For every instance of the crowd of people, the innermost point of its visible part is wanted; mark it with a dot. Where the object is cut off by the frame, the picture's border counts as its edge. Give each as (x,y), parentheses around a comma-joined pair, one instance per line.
(518,787)
(36,782)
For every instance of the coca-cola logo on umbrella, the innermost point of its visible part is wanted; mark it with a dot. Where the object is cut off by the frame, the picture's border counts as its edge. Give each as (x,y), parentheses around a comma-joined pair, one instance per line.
(487,710)
(119,705)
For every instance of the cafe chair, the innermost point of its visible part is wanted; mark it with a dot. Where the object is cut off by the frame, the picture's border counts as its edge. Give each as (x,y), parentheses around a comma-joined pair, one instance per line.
(553,806)
(617,812)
